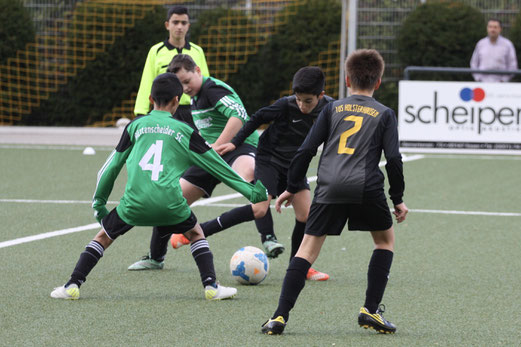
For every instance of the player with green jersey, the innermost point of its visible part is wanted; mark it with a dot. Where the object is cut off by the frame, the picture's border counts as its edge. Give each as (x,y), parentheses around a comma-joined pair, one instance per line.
(219,114)
(213,107)
(157,149)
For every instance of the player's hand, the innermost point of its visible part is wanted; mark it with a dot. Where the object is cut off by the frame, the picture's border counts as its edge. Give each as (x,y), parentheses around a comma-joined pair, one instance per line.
(284,197)
(400,211)
(224,148)
(100,212)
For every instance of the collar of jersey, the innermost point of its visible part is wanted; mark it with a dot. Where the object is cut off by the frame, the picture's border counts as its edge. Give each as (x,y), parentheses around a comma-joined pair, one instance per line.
(160,113)
(171,47)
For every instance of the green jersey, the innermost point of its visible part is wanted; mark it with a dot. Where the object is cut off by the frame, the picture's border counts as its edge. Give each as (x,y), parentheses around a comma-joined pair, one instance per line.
(158,58)
(157,149)
(213,106)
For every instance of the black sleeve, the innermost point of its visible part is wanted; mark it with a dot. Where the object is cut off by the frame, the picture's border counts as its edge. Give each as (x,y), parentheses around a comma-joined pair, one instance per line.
(316,136)
(198,144)
(124,141)
(184,114)
(263,116)
(214,93)
(394,166)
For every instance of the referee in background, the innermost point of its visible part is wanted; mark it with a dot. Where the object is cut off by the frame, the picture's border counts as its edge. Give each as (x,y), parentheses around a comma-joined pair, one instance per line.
(177,23)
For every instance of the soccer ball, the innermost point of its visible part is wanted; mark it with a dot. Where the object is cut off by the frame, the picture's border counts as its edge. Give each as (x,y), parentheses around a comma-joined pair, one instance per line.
(249,265)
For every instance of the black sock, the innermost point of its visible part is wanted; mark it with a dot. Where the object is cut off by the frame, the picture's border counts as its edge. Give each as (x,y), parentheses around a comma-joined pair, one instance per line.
(265,226)
(228,219)
(296,237)
(204,259)
(292,285)
(88,259)
(377,276)
(159,244)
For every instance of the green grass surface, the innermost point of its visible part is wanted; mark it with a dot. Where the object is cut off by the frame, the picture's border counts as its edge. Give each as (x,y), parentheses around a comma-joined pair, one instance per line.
(454,282)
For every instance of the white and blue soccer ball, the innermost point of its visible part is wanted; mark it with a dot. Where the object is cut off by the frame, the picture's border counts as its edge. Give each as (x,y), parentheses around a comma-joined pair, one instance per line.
(249,265)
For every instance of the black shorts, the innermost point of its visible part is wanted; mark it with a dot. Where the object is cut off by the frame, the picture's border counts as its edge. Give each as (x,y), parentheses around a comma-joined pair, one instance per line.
(274,177)
(330,219)
(205,181)
(114,226)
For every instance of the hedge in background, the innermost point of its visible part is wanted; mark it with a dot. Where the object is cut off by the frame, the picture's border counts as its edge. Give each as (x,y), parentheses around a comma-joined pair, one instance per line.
(105,81)
(221,32)
(16,28)
(309,29)
(440,34)
(387,94)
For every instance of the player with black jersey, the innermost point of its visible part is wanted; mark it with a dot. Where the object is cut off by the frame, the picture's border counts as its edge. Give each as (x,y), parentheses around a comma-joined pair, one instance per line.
(350,187)
(157,149)
(219,114)
(290,120)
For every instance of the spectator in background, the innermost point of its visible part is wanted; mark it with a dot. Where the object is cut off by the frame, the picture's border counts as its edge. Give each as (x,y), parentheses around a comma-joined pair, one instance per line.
(494,52)
(160,55)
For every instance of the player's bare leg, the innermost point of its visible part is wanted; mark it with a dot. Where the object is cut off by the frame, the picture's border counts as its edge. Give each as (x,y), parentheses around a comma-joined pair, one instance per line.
(244,165)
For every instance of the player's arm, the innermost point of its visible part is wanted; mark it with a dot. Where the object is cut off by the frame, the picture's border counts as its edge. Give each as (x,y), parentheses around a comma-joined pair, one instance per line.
(232,109)
(108,173)
(202,155)
(394,165)
(263,116)
(149,73)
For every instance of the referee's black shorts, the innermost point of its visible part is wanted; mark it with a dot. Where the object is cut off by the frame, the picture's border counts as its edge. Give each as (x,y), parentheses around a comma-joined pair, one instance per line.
(205,181)
(114,226)
(330,219)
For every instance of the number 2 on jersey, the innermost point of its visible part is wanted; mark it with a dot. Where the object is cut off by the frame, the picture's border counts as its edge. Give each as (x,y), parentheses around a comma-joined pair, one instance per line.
(154,151)
(342,144)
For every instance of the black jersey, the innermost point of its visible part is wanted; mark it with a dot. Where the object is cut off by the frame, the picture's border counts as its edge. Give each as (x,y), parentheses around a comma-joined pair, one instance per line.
(281,140)
(354,132)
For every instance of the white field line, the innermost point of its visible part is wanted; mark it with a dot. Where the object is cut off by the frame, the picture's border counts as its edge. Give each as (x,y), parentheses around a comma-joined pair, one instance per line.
(48,234)
(33,201)
(476,157)
(468,213)
(209,201)
(96,225)
(58,147)
(472,213)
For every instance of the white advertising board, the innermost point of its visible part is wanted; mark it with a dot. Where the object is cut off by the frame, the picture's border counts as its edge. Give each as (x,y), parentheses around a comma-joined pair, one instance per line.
(460,117)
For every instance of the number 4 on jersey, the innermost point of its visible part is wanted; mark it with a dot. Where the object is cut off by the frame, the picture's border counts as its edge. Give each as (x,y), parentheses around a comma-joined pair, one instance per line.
(153,152)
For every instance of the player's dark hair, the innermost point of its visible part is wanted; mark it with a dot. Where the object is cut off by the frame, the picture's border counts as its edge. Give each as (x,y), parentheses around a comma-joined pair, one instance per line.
(181,61)
(309,80)
(165,87)
(178,9)
(364,68)
(495,20)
